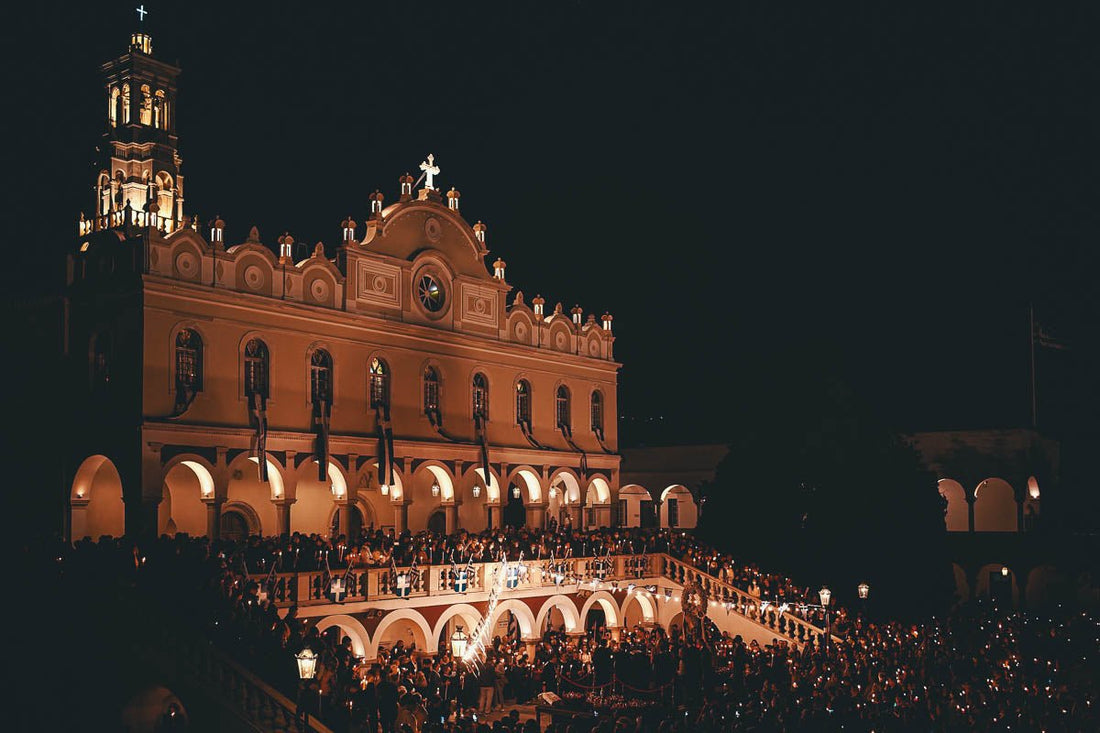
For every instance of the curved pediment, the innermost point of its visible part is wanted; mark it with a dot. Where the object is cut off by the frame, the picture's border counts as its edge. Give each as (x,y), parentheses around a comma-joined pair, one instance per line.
(413,227)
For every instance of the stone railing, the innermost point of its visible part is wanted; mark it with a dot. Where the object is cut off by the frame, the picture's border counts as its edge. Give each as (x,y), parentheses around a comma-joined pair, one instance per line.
(252,699)
(721,593)
(380,584)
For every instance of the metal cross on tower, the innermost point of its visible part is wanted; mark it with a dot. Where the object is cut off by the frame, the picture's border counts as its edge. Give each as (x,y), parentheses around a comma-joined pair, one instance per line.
(142,12)
(430,171)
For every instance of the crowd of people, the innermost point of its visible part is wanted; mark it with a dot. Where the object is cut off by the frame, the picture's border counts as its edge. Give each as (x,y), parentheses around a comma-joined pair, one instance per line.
(976,668)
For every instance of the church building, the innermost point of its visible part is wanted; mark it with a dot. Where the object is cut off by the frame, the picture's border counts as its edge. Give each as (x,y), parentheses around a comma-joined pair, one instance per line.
(394,380)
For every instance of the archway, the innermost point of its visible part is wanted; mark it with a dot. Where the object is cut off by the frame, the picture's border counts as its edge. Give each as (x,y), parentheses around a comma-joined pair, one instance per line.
(566,492)
(525,620)
(234,525)
(430,485)
(600,603)
(350,626)
(676,624)
(472,510)
(557,612)
(406,626)
(97,506)
(995,507)
(437,522)
(355,526)
(638,609)
(459,614)
(246,489)
(186,483)
(678,507)
(957,517)
(312,509)
(639,507)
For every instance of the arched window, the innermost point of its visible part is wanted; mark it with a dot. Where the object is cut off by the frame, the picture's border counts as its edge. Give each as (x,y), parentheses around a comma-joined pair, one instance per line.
(146,105)
(597,412)
(431,390)
(379,383)
(112,105)
(189,360)
(160,109)
(562,406)
(255,368)
(481,396)
(523,403)
(320,377)
(125,104)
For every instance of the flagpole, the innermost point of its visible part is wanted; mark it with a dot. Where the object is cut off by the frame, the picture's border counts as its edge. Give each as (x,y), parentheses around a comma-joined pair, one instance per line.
(1034,398)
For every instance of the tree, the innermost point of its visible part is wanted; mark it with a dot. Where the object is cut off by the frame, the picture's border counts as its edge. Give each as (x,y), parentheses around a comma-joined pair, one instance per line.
(823,490)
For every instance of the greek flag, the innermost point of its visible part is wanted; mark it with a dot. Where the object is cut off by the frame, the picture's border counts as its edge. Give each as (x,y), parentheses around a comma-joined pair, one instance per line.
(511,577)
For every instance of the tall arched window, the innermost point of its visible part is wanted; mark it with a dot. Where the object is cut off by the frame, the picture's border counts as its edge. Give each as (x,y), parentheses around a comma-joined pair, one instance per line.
(379,383)
(481,396)
(320,377)
(523,403)
(597,412)
(125,104)
(255,368)
(189,360)
(562,406)
(146,109)
(431,390)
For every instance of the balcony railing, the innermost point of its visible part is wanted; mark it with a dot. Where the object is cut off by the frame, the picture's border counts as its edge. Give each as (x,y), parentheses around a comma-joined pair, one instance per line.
(313,587)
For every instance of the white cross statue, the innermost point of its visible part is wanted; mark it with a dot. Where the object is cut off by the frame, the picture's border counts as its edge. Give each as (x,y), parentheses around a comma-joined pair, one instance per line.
(141,11)
(430,171)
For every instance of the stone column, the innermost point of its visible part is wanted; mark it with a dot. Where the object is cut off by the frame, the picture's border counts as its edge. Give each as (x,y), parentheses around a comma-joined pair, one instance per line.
(494,515)
(450,512)
(282,516)
(79,518)
(536,515)
(970,499)
(400,517)
(213,517)
(344,507)
(529,644)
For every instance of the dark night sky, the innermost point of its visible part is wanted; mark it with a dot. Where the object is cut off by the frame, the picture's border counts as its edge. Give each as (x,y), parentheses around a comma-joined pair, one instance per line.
(887,188)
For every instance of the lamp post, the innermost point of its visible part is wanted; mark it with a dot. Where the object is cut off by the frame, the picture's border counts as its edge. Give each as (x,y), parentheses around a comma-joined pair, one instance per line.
(458,642)
(307,668)
(826,595)
(864,591)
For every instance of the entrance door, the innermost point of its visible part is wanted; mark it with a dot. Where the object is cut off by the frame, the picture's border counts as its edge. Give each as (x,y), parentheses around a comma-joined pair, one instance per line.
(437,522)
(649,514)
(234,526)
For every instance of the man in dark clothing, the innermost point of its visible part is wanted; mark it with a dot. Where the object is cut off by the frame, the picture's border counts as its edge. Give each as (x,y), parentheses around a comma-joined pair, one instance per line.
(387,704)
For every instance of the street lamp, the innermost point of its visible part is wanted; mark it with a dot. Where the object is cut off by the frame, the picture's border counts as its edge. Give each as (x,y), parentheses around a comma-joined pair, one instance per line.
(826,595)
(307,664)
(458,642)
(864,591)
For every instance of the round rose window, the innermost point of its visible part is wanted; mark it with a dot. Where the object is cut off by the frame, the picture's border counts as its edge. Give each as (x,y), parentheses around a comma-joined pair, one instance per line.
(431,294)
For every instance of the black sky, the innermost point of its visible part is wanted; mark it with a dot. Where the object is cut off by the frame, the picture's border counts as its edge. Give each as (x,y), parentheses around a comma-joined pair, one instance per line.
(884,188)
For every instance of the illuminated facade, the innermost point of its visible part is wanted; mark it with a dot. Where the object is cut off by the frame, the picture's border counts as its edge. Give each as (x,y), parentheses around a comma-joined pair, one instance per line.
(380,382)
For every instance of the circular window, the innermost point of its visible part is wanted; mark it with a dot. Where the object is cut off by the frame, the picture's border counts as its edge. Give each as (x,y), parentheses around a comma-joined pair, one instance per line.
(431,294)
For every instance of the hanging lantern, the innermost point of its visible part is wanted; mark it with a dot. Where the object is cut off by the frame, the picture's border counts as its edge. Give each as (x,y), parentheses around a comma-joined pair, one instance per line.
(1004,571)
(825,594)
(435,488)
(384,489)
(307,663)
(864,591)
(458,643)
(516,492)
(476,491)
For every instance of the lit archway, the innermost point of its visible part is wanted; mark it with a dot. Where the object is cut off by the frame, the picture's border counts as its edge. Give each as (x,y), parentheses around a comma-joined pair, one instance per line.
(405,625)
(678,507)
(606,602)
(457,614)
(187,481)
(995,507)
(958,515)
(565,607)
(312,510)
(96,499)
(528,479)
(360,639)
(638,608)
(522,613)
(246,488)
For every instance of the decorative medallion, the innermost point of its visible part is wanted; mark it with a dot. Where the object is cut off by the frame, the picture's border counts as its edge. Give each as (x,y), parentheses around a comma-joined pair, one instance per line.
(254,277)
(378,284)
(187,265)
(479,305)
(319,290)
(521,331)
(694,600)
(594,348)
(560,339)
(433,229)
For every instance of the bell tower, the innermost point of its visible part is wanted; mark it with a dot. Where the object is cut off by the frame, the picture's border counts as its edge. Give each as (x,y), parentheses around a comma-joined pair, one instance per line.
(139,181)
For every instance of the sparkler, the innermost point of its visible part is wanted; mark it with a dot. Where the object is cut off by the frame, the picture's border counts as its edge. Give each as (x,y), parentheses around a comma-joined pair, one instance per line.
(475,649)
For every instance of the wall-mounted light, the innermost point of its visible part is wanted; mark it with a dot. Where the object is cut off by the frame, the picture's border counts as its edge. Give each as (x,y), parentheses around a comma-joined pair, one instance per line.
(476,491)
(1004,571)
(384,489)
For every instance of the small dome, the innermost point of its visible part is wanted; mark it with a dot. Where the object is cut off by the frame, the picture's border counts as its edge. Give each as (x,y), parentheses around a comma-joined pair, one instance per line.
(286,239)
